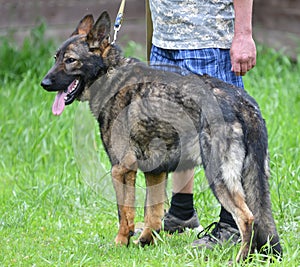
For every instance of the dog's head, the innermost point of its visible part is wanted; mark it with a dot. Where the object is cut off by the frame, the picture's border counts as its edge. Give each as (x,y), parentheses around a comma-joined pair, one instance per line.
(79,61)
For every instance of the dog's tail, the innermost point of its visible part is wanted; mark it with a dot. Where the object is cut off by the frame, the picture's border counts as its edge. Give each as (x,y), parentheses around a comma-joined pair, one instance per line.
(256,187)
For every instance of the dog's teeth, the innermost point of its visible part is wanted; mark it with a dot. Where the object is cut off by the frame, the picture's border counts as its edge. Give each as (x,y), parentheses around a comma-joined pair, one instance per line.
(75,85)
(65,98)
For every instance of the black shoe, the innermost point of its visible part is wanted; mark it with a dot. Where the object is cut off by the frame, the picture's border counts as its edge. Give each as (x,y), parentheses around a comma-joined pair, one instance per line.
(173,224)
(223,233)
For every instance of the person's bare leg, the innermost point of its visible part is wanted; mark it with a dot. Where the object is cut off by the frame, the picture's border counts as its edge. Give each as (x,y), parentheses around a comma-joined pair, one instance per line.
(183,182)
(181,214)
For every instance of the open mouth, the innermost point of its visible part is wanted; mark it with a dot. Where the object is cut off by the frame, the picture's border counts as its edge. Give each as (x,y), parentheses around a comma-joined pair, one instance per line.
(66,97)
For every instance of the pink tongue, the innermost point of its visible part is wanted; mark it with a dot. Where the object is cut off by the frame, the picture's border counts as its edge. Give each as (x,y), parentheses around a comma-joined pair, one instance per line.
(59,103)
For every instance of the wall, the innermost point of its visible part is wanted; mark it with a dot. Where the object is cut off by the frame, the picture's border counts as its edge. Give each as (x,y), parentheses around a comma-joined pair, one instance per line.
(276,22)
(62,16)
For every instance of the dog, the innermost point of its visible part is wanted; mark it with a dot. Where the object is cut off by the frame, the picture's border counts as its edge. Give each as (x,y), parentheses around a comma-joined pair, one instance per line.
(160,121)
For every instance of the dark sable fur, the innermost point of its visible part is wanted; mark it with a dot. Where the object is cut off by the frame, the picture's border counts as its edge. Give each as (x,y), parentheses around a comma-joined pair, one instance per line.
(160,121)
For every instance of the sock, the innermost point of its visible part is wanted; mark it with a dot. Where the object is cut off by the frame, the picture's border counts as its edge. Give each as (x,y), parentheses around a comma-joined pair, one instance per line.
(226,217)
(182,206)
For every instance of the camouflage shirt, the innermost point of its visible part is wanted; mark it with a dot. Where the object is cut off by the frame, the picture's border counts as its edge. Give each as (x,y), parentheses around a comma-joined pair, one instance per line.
(192,24)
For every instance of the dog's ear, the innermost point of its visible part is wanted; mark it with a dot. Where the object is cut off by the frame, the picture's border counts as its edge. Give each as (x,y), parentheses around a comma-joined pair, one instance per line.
(85,25)
(99,35)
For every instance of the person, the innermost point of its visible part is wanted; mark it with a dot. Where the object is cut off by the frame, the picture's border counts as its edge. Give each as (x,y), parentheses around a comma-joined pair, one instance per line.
(211,37)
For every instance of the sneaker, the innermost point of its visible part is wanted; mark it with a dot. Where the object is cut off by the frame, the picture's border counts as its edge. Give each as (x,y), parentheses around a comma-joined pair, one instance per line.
(173,224)
(222,234)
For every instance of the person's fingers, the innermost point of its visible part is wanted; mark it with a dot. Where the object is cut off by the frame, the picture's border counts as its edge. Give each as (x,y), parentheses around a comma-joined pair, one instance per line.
(244,68)
(253,62)
(236,68)
(243,65)
(250,65)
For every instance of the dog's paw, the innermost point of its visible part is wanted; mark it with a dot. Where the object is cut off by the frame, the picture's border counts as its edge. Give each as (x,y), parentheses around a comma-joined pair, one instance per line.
(144,241)
(146,238)
(121,240)
(243,253)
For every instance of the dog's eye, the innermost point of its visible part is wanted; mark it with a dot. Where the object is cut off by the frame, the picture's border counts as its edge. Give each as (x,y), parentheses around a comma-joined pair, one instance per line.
(70,60)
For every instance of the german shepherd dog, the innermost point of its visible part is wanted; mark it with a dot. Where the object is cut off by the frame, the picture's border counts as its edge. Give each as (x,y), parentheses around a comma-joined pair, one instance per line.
(160,121)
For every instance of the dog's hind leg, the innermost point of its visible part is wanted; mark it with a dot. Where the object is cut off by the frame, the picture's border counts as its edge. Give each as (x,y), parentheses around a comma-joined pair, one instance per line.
(257,192)
(234,202)
(154,206)
(124,184)
(223,154)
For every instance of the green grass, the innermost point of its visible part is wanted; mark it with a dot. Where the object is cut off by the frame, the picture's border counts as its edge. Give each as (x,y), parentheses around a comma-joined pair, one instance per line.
(57,204)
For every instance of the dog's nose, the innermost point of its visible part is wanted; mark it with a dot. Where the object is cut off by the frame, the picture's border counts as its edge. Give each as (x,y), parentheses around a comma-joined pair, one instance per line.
(46,83)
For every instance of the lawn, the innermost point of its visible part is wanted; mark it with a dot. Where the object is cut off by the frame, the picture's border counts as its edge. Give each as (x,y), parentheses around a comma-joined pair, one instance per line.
(57,204)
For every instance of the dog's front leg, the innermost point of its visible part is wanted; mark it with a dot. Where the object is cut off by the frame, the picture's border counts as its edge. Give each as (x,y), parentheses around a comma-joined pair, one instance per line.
(154,206)
(124,184)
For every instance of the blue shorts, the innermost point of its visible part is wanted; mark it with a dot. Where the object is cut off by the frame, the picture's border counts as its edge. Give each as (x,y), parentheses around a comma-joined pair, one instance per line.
(212,61)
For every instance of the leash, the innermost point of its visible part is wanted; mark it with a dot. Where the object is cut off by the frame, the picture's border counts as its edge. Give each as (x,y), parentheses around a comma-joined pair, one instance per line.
(119,20)
(149,30)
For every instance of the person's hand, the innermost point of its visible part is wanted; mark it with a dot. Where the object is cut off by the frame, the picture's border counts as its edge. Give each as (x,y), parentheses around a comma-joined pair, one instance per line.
(242,54)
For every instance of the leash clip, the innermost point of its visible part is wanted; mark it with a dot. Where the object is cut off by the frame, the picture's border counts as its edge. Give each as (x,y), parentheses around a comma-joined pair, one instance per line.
(118,21)
(117,27)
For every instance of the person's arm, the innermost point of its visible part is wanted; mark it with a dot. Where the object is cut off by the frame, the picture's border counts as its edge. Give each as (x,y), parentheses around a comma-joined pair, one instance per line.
(243,49)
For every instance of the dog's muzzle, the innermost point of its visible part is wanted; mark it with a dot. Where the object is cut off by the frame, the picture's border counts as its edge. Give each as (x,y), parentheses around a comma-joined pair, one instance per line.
(47,84)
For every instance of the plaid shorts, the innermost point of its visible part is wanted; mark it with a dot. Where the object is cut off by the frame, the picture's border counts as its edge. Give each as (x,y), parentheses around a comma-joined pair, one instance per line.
(212,61)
